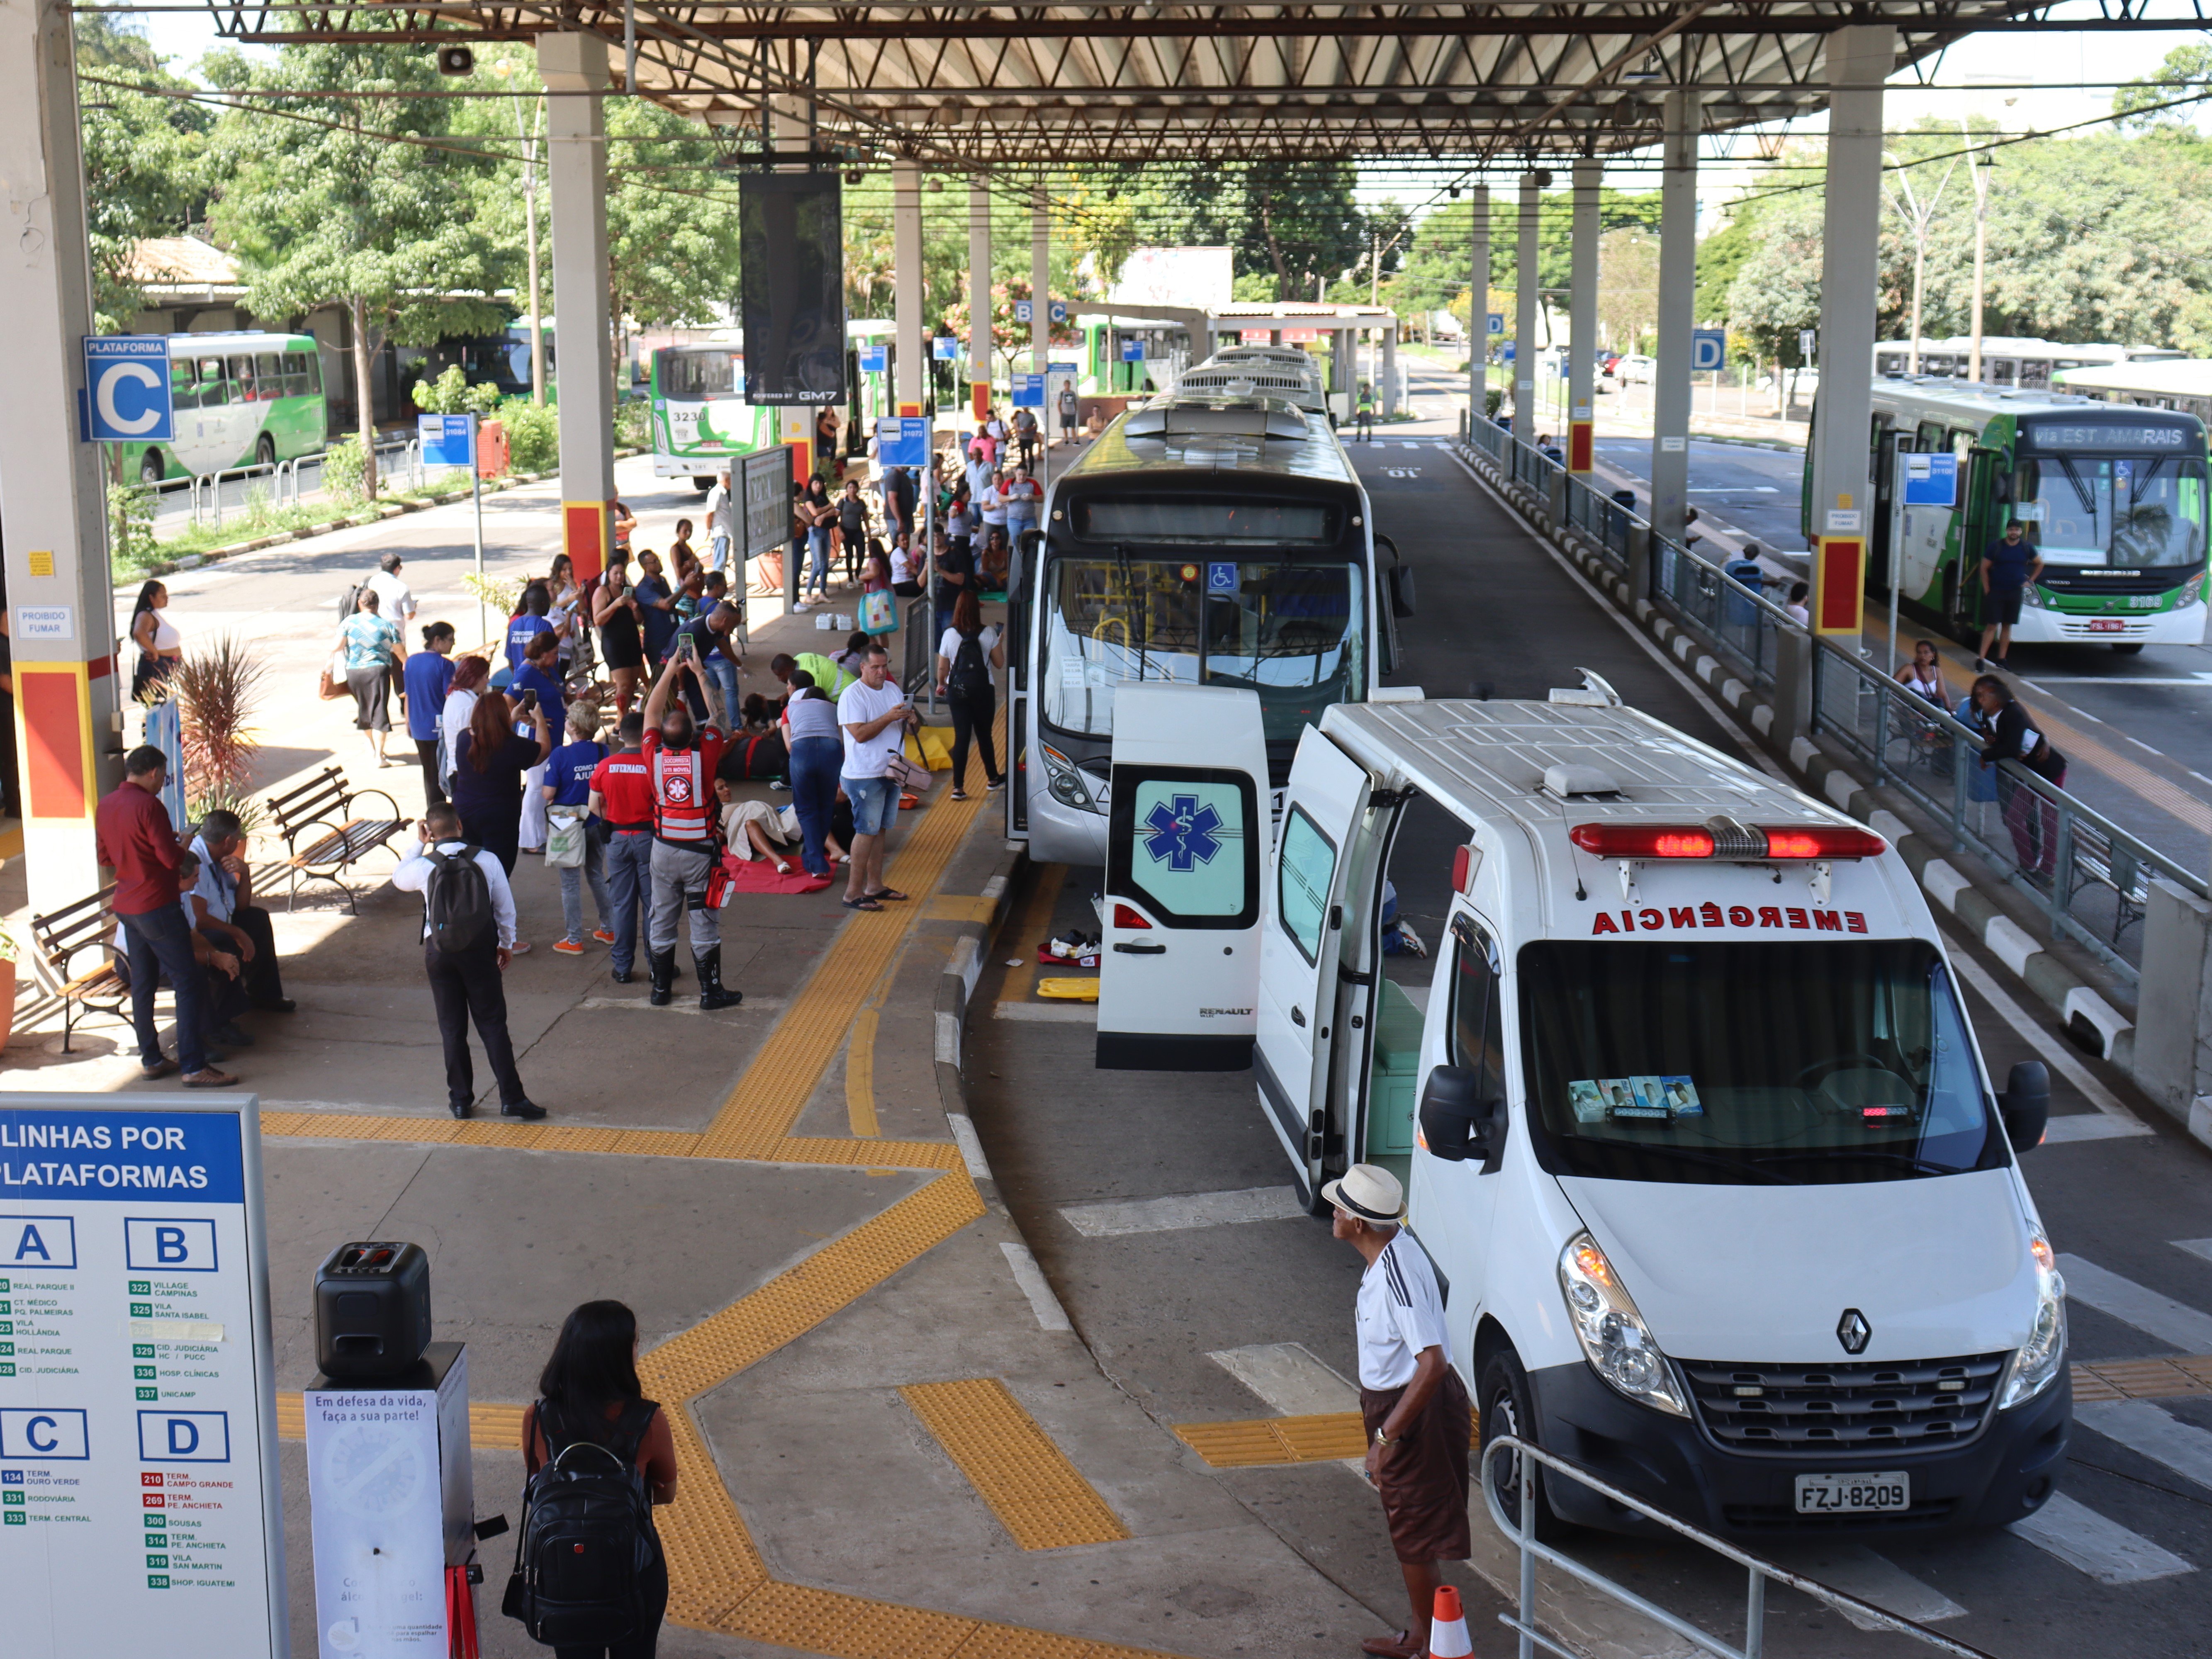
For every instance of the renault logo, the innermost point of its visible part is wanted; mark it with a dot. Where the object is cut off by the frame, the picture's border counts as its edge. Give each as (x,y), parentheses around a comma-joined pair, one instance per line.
(1853,1331)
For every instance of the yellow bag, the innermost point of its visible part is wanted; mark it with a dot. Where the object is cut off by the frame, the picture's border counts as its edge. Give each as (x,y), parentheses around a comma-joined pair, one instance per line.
(932,747)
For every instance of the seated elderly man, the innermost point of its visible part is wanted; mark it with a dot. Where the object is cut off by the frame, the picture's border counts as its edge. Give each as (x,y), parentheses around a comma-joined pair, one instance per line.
(224,910)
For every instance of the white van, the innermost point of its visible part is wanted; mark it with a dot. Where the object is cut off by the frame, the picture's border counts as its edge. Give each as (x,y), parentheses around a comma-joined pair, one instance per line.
(1705,1152)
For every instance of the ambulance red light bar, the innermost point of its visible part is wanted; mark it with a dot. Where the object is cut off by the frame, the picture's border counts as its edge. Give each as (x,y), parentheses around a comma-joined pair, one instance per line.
(1747,844)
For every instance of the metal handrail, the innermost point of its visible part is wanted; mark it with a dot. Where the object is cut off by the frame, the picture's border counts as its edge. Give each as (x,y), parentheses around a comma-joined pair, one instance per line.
(1522,1620)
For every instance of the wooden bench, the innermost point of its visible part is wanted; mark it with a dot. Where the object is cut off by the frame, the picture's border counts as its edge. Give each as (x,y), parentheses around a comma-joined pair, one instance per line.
(325,832)
(65,934)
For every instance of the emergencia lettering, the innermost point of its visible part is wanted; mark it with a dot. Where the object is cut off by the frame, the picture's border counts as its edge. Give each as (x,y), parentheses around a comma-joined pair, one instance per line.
(1650,918)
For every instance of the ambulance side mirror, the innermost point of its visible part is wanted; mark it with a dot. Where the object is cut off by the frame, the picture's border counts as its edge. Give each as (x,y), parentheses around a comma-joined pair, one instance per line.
(2024,1105)
(1453,1121)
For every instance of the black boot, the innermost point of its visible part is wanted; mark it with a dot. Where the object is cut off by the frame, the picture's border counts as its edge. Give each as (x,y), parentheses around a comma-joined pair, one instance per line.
(711,993)
(662,965)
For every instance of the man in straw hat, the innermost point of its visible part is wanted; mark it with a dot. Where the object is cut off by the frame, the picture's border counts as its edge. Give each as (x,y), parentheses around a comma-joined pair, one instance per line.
(1414,1406)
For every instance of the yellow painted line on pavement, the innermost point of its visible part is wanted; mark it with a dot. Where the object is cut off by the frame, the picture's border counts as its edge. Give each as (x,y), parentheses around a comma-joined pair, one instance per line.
(2172,1378)
(1040,1497)
(1321,1437)
(959,906)
(861,1077)
(1030,930)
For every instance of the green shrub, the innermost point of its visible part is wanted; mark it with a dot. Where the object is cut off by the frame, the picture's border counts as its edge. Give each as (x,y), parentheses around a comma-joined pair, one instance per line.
(131,525)
(634,424)
(533,434)
(343,477)
(1493,400)
(452,394)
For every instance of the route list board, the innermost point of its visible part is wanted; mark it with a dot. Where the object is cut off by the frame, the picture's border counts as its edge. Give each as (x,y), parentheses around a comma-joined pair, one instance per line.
(139,1511)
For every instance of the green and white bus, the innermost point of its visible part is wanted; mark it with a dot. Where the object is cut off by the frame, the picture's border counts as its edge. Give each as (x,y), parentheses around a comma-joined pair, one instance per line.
(241,400)
(2113,498)
(701,419)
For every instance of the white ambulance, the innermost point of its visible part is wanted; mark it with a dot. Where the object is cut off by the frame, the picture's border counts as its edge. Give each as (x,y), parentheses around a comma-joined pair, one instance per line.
(1705,1150)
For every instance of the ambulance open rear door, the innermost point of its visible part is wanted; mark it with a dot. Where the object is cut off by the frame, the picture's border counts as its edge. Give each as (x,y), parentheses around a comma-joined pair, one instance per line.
(1185,841)
(1301,945)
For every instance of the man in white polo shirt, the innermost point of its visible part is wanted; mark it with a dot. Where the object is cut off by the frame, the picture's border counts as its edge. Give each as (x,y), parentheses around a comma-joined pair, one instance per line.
(874,716)
(1415,1408)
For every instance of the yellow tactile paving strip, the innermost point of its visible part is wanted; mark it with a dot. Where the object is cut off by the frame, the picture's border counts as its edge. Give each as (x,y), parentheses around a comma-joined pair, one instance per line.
(2142,1379)
(1040,1497)
(1322,1438)
(718,1579)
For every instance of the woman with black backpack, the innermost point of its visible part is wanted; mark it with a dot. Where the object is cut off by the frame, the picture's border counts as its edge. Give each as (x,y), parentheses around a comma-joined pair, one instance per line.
(966,656)
(590,1398)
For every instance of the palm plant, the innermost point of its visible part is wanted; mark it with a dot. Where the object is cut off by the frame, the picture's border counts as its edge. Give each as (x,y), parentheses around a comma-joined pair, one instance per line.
(215,688)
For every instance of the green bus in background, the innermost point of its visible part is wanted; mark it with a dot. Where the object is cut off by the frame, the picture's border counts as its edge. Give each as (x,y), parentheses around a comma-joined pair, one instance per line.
(701,419)
(241,400)
(2113,498)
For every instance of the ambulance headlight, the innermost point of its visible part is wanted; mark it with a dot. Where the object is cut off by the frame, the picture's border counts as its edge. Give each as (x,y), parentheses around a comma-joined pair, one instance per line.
(1614,1338)
(2045,1351)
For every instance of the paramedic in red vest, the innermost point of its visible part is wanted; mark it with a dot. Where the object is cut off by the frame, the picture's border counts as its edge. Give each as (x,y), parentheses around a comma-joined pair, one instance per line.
(680,759)
(622,799)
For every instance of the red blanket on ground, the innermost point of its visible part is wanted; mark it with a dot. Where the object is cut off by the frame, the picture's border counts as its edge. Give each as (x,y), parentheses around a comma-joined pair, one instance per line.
(759,875)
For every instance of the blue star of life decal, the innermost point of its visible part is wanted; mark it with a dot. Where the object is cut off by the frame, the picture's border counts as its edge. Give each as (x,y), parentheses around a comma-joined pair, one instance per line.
(1182,834)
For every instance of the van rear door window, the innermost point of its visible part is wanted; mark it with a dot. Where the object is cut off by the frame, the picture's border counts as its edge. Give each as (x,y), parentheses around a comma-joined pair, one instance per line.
(1303,875)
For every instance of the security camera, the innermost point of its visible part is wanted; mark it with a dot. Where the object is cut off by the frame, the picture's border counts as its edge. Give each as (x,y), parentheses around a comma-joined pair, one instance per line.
(456,60)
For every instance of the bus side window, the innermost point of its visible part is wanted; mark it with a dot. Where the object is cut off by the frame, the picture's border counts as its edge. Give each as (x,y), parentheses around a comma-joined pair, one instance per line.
(1929,438)
(184,388)
(267,369)
(242,387)
(212,394)
(1476,1030)
(313,361)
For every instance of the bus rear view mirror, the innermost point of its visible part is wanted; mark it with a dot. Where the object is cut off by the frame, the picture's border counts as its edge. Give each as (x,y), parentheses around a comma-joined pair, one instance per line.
(2025,1106)
(1453,1120)
(1401,590)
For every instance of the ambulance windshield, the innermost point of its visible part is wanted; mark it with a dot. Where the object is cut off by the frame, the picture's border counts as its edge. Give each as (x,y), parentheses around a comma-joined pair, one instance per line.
(1734,1063)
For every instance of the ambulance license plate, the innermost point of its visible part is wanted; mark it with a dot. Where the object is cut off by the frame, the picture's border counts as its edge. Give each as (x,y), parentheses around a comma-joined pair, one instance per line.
(1853,1494)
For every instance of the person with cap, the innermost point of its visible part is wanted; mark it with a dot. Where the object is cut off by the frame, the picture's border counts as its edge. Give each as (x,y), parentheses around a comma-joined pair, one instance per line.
(1413,1404)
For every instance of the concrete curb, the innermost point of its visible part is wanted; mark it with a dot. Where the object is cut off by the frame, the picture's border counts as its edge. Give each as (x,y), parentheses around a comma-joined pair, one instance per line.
(956,988)
(2081,1005)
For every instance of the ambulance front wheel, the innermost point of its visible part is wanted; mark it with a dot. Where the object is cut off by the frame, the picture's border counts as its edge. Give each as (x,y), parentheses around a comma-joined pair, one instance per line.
(1505,1406)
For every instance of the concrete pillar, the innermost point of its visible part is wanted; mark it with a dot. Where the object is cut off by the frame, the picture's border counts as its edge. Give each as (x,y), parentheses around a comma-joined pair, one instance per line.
(576,177)
(1677,304)
(791,129)
(909,371)
(1581,321)
(1860,60)
(1387,400)
(62,614)
(1525,299)
(979,295)
(1478,314)
(1041,314)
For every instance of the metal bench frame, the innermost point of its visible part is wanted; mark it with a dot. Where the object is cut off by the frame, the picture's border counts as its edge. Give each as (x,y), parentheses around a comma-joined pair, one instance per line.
(327,804)
(62,935)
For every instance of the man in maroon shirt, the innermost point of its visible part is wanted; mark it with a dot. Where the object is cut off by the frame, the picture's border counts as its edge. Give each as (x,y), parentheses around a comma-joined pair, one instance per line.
(138,841)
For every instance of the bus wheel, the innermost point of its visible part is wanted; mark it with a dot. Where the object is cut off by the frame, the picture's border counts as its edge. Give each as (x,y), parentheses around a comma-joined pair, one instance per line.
(150,469)
(2130,648)
(264,450)
(702,485)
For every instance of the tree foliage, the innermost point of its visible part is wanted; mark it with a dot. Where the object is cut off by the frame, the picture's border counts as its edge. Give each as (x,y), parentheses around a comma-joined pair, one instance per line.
(142,160)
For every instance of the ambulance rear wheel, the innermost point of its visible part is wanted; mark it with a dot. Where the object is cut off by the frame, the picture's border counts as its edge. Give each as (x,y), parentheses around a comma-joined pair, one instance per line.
(1505,1407)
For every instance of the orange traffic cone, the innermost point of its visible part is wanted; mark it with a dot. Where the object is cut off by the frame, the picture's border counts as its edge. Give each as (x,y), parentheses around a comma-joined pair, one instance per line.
(1448,1636)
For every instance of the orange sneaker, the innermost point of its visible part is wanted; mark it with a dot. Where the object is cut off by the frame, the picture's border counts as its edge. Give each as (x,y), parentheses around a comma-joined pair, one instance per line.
(568,947)
(603,935)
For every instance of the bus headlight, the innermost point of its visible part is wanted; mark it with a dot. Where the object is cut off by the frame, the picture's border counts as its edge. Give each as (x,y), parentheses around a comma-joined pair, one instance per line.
(1063,780)
(2033,596)
(1614,1338)
(2190,594)
(2045,1351)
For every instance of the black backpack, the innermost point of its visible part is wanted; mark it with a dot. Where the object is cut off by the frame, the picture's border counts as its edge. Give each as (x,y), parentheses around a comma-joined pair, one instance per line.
(457,903)
(349,600)
(970,677)
(586,1542)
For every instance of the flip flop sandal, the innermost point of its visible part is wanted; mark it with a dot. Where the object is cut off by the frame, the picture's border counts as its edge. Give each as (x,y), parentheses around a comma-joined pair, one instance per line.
(863,902)
(891,893)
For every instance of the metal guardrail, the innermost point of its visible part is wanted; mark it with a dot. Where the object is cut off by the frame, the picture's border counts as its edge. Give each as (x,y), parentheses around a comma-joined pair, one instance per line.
(1522,1619)
(2088,877)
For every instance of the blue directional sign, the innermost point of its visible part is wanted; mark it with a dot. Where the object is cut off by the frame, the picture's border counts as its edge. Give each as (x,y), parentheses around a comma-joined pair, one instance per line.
(1931,480)
(1021,310)
(1505,351)
(1057,310)
(1133,351)
(875,360)
(1063,369)
(1708,348)
(447,440)
(1183,833)
(126,379)
(903,441)
(1496,319)
(945,348)
(1029,392)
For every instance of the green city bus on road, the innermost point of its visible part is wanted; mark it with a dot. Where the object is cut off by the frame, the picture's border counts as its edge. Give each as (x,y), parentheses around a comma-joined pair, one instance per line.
(241,400)
(2113,498)
(701,419)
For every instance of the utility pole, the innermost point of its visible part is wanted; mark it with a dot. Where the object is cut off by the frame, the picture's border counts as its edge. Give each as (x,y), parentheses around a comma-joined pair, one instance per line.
(528,140)
(1979,167)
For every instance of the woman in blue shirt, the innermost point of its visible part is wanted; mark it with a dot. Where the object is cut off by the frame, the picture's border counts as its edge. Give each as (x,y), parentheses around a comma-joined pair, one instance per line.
(429,676)
(372,650)
(568,790)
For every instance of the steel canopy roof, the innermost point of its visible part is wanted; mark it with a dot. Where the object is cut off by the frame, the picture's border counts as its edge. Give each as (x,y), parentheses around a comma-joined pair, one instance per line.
(968,85)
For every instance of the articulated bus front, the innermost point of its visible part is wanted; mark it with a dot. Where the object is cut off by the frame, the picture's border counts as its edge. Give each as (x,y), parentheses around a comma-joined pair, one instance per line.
(1263,583)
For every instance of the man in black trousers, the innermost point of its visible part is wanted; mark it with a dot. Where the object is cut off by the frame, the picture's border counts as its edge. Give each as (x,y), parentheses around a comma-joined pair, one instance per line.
(227,915)
(465,981)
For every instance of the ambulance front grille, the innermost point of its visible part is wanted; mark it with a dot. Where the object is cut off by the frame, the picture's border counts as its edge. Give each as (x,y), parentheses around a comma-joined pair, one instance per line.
(1913,1404)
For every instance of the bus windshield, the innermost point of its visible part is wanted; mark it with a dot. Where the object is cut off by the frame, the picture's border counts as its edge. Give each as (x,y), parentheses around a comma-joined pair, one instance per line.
(1730,1063)
(1292,632)
(2133,512)
(697,373)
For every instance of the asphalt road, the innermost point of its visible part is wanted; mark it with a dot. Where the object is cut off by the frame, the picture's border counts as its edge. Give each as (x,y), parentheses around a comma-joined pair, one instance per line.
(1181,1315)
